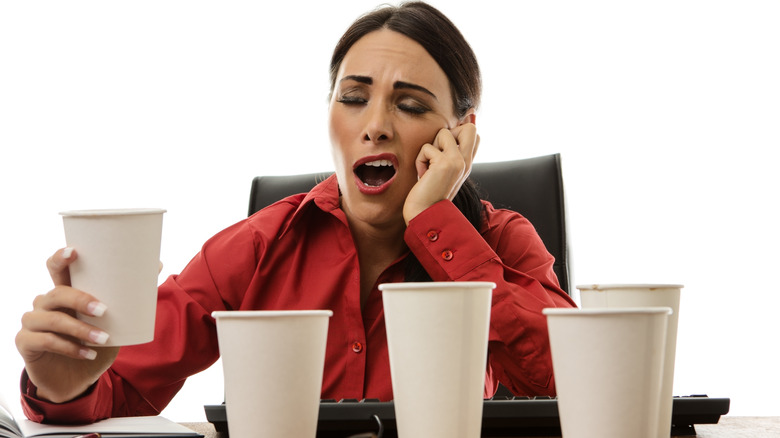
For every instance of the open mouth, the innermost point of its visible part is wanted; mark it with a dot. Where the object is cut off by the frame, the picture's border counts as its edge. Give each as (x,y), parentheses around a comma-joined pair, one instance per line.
(375,173)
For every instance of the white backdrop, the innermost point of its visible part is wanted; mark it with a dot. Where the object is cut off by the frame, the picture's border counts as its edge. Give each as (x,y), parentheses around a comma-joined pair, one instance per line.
(666,113)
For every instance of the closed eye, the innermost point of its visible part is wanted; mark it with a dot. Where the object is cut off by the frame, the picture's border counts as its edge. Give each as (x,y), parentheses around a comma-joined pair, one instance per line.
(411,104)
(352,100)
(412,109)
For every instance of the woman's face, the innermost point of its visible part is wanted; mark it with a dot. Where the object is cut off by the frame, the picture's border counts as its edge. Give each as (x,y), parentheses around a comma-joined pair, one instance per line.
(390,97)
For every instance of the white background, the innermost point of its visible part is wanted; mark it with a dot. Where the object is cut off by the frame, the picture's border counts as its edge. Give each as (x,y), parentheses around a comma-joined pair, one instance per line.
(667,114)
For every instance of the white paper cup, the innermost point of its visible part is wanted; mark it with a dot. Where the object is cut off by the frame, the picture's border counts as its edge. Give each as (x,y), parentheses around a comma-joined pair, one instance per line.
(437,335)
(273,365)
(608,366)
(118,262)
(645,295)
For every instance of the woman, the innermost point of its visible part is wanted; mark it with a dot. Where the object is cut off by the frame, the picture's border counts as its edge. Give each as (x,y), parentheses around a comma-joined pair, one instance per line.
(405,86)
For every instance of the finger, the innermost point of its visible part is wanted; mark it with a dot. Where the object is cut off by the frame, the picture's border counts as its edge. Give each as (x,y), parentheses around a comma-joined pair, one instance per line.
(461,149)
(58,264)
(467,138)
(66,297)
(63,325)
(446,139)
(424,157)
(31,345)
(464,140)
(448,176)
(458,144)
(476,146)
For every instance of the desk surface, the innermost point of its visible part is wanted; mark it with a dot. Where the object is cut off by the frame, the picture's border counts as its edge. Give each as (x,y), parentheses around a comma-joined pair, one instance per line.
(728,427)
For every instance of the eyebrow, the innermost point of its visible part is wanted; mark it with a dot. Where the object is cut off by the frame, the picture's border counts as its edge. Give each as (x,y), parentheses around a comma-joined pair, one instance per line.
(398,85)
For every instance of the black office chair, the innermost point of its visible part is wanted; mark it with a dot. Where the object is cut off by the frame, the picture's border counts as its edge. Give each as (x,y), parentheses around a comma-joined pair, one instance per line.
(533,187)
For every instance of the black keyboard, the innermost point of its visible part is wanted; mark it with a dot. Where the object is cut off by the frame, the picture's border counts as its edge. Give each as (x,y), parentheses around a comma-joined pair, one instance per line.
(501,416)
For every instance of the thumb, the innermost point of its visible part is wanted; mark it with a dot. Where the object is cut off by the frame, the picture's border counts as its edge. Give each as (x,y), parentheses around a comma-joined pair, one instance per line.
(58,264)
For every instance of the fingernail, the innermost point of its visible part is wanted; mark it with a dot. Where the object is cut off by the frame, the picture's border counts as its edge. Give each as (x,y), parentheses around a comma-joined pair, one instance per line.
(98,336)
(88,353)
(67,252)
(96,308)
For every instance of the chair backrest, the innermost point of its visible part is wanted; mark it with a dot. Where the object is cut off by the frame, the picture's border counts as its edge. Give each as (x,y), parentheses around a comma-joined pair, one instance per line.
(532,187)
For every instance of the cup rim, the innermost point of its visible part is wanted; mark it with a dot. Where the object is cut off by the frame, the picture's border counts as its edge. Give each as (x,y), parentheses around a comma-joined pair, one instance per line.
(576,311)
(629,286)
(111,212)
(237,314)
(435,285)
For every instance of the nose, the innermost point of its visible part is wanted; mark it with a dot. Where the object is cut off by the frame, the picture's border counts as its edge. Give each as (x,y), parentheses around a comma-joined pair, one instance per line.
(379,125)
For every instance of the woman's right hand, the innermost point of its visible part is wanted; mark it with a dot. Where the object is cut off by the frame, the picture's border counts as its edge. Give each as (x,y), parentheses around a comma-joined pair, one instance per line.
(52,341)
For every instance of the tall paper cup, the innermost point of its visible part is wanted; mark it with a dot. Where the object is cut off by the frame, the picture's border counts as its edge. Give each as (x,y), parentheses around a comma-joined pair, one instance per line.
(437,335)
(273,365)
(608,366)
(645,295)
(118,263)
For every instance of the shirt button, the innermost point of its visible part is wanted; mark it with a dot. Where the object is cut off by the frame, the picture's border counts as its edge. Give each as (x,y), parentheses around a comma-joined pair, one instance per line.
(357,347)
(433,236)
(447,255)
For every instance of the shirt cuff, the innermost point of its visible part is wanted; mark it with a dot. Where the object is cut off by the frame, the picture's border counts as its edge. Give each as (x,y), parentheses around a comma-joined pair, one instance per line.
(446,243)
(38,410)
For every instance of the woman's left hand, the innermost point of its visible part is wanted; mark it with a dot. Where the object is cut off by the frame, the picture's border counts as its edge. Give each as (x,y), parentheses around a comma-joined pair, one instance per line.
(442,167)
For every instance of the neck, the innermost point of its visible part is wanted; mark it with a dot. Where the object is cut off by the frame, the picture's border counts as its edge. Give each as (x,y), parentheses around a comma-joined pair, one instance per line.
(378,243)
(377,248)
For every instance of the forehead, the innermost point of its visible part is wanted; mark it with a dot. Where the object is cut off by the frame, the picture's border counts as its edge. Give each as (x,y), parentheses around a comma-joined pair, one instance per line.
(385,54)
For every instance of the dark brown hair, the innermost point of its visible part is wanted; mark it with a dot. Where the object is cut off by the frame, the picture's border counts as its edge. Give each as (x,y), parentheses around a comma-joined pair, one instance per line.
(443,41)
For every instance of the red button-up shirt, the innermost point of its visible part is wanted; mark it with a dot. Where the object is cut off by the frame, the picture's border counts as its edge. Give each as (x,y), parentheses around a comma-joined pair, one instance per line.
(299,254)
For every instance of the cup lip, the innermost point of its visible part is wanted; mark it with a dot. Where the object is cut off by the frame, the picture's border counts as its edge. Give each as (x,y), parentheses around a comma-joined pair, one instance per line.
(238,314)
(576,311)
(629,286)
(435,285)
(111,212)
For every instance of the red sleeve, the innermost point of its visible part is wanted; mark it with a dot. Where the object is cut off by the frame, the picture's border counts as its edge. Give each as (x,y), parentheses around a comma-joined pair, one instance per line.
(144,378)
(72,412)
(509,252)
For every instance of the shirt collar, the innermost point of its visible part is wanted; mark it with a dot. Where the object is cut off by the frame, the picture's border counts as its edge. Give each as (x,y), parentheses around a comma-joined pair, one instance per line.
(325,196)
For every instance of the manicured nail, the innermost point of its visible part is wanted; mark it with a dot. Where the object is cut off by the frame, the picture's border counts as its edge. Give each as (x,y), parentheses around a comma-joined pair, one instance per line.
(67,252)
(98,336)
(88,353)
(96,308)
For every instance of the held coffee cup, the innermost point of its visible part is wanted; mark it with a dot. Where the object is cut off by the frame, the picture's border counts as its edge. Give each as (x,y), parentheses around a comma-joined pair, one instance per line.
(118,263)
